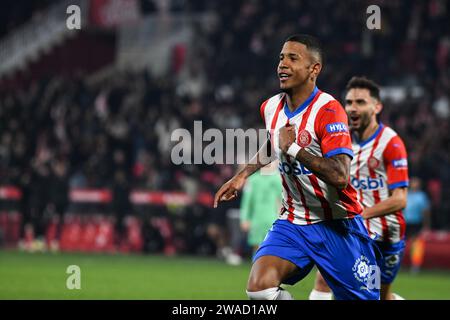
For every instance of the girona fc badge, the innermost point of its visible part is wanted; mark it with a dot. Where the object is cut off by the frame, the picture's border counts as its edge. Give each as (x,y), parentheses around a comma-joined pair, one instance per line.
(373,163)
(304,138)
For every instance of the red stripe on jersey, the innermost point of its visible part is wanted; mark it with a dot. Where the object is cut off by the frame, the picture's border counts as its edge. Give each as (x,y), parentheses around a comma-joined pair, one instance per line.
(306,115)
(303,199)
(289,200)
(319,194)
(385,228)
(263,109)
(376,193)
(401,222)
(348,199)
(358,167)
(277,112)
(275,118)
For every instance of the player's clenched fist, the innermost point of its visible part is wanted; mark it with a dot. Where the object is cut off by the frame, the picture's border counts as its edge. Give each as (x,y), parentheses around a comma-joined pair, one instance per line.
(286,137)
(229,190)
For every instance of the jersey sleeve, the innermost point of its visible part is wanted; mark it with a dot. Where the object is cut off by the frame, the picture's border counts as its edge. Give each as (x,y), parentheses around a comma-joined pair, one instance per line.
(396,163)
(331,127)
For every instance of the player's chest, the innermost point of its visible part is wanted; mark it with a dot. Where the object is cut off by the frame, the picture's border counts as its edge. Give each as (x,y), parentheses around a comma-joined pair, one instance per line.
(368,160)
(304,133)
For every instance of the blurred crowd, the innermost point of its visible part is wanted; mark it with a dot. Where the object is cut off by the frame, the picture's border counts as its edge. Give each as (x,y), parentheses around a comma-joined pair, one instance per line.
(67,132)
(14,13)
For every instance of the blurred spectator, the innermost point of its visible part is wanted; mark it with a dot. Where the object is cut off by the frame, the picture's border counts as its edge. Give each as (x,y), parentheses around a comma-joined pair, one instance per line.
(58,186)
(121,200)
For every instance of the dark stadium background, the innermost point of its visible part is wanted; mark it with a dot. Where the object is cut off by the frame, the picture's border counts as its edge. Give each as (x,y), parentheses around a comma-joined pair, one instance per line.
(86,115)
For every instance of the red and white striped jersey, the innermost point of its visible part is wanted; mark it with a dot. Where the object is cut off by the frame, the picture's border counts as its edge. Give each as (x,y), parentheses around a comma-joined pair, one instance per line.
(322,129)
(379,166)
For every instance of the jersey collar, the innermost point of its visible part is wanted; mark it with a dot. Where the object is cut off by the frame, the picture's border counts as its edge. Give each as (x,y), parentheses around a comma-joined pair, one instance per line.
(301,107)
(373,136)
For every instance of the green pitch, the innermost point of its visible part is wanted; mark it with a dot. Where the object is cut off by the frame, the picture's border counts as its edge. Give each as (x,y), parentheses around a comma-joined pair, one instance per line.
(43,276)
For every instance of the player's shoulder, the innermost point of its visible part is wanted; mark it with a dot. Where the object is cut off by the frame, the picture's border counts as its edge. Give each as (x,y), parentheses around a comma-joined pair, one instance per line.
(273,102)
(269,106)
(327,109)
(390,137)
(326,98)
(394,144)
(389,132)
(327,104)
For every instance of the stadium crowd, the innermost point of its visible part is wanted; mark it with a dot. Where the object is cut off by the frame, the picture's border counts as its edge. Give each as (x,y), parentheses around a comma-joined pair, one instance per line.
(59,132)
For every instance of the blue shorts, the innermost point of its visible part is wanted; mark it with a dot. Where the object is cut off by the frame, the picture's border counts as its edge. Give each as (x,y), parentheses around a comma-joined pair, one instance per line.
(391,261)
(342,250)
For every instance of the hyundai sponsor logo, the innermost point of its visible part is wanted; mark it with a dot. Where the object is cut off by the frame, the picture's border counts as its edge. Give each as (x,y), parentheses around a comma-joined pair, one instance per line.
(337,127)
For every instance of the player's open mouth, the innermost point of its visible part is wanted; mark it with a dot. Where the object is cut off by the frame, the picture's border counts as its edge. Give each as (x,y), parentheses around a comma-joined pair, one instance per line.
(283,76)
(354,119)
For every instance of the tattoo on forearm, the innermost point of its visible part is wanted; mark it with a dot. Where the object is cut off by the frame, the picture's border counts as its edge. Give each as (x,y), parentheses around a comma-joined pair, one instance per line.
(333,170)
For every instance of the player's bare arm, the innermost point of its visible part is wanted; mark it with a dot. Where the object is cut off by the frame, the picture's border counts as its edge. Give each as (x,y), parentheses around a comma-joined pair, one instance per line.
(231,188)
(395,202)
(334,170)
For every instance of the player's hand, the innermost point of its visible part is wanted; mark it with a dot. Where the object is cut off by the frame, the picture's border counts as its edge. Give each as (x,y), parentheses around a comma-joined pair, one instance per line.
(229,190)
(286,137)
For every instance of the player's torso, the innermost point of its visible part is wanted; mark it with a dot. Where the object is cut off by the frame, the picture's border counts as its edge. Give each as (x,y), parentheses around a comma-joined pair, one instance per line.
(306,198)
(369,178)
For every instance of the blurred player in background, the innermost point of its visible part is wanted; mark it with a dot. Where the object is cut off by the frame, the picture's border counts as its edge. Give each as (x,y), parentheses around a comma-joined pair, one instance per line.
(379,173)
(417,211)
(261,201)
(320,222)
(418,217)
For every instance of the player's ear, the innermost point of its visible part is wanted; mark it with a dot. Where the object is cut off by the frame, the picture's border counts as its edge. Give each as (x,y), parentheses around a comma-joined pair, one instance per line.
(316,68)
(378,107)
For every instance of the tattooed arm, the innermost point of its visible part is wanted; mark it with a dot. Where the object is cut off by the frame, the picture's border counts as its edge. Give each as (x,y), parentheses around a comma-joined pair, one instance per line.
(334,170)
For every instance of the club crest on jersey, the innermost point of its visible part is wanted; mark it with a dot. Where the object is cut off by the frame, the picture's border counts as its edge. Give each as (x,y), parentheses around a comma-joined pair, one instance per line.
(366,273)
(304,138)
(373,163)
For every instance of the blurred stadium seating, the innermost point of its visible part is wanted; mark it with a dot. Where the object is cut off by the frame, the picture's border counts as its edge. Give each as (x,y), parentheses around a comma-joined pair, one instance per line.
(86,115)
